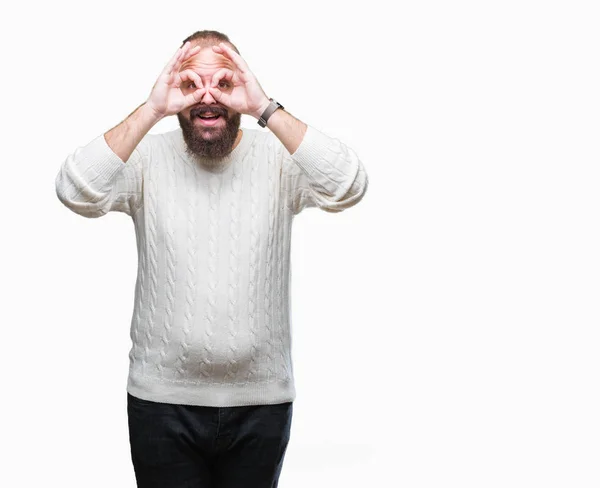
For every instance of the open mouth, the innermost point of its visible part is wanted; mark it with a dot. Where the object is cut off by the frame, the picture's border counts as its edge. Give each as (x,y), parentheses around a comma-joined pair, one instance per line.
(208,119)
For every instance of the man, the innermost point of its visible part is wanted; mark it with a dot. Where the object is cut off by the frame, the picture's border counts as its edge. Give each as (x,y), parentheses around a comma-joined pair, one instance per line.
(210,386)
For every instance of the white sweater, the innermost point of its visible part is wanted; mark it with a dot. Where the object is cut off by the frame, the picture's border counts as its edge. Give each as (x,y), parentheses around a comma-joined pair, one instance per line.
(211,320)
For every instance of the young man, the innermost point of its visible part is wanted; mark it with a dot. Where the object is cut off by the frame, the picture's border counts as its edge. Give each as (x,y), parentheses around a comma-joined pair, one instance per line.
(210,386)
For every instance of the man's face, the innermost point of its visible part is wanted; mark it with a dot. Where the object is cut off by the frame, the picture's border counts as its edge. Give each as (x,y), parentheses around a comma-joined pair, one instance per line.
(209,139)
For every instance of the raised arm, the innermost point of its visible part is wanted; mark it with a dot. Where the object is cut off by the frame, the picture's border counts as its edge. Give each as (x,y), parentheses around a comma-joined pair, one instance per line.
(106,174)
(320,171)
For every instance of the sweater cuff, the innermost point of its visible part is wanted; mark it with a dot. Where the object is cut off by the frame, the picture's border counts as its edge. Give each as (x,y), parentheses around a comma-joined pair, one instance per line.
(98,154)
(313,147)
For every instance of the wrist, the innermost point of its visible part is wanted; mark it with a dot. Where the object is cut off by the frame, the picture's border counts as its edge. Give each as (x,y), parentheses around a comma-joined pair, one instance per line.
(266,102)
(150,115)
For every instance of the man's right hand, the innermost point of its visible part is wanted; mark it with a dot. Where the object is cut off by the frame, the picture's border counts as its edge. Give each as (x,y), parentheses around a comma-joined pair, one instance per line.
(166,97)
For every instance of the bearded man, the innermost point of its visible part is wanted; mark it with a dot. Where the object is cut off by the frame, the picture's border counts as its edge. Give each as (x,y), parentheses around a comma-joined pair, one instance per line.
(210,387)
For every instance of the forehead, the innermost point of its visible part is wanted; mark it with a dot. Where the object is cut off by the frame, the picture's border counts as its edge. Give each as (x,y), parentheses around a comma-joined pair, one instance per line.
(207,61)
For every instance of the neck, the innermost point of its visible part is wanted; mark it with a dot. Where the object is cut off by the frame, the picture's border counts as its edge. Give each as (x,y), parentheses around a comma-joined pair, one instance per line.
(237,139)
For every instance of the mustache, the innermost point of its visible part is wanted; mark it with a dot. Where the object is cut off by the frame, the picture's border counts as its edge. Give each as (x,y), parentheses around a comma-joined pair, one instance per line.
(202,110)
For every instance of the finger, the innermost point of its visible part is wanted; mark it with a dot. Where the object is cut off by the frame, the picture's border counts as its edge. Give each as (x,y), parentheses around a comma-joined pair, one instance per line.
(219,96)
(191,52)
(188,75)
(169,67)
(195,77)
(185,54)
(222,74)
(194,97)
(235,57)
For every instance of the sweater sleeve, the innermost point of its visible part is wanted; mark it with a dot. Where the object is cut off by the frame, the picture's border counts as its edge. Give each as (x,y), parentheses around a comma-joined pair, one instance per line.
(323,172)
(93,180)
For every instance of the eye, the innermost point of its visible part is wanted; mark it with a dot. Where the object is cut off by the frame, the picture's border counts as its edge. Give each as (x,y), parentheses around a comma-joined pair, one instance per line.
(223,83)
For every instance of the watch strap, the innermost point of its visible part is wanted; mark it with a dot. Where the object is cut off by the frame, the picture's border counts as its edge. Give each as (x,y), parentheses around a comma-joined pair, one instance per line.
(274,105)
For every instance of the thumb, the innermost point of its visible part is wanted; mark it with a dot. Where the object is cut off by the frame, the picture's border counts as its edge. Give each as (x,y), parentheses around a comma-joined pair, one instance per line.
(219,96)
(194,97)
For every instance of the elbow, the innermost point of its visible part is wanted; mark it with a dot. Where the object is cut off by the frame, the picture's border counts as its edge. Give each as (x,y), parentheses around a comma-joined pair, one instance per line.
(86,182)
(358,188)
(349,195)
(84,209)
(70,197)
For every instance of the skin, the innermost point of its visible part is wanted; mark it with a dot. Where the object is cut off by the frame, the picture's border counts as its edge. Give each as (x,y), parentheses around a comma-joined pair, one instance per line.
(243,96)
(248,97)
(206,63)
(210,144)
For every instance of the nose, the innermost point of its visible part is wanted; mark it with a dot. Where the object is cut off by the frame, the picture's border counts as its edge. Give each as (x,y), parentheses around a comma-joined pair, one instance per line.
(207,98)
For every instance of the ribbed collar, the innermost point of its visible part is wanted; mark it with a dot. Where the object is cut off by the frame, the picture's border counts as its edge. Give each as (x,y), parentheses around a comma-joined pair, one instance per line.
(176,137)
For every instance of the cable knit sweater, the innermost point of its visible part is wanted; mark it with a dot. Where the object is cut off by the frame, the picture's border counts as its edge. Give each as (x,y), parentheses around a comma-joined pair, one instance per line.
(211,320)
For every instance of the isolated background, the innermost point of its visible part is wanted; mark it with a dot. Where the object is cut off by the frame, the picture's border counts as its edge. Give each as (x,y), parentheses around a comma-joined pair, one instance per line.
(445,330)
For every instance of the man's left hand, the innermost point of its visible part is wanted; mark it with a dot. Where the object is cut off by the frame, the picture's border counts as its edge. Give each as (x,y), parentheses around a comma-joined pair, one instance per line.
(241,91)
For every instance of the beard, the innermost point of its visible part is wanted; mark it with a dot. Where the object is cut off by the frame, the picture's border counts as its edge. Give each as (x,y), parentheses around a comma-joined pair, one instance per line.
(209,145)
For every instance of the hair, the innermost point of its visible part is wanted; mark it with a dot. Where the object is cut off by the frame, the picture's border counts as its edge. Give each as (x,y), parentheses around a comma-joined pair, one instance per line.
(207,38)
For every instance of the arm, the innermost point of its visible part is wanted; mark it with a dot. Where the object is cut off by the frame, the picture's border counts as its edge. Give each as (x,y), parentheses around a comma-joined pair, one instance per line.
(321,171)
(106,174)
(125,137)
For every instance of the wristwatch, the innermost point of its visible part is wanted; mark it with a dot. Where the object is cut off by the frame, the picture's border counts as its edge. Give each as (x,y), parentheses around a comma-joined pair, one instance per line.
(274,105)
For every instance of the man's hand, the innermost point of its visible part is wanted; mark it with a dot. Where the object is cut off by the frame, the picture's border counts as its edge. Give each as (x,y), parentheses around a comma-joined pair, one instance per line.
(243,92)
(166,97)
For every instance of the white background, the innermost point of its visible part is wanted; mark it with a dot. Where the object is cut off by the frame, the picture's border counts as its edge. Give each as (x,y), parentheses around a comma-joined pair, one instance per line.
(445,329)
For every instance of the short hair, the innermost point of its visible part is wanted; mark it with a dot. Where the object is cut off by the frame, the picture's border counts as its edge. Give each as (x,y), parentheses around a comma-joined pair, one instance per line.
(207,38)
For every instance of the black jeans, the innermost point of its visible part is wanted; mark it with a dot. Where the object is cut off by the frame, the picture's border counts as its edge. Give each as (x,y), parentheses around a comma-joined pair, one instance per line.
(181,446)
